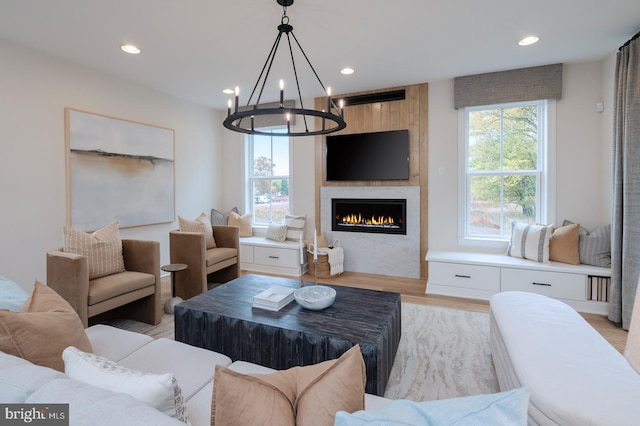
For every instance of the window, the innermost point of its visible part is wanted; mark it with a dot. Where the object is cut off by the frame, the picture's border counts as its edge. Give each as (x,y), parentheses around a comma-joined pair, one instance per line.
(268,179)
(506,169)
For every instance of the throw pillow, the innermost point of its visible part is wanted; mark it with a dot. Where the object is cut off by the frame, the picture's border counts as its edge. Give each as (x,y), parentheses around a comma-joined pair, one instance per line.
(221,219)
(530,241)
(44,327)
(308,395)
(276,232)
(595,246)
(12,296)
(102,248)
(160,391)
(295,226)
(243,222)
(202,225)
(504,408)
(563,245)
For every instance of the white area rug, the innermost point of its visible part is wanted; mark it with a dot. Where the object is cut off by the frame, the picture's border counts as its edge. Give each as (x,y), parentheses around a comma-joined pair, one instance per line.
(443,353)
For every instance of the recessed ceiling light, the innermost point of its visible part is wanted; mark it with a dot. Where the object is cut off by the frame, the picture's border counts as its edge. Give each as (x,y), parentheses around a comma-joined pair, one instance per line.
(347,71)
(130,48)
(528,40)
(228,91)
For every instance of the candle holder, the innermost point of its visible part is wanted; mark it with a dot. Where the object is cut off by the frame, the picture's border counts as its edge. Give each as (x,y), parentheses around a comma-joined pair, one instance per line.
(315,271)
(301,275)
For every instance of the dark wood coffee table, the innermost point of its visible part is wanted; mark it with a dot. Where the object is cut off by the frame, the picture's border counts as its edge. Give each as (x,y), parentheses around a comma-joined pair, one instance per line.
(223,320)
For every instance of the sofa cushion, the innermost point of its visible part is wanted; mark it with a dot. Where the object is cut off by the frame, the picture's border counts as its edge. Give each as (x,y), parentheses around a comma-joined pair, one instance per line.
(530,241)
(44,317)
(102,248)
(298,396)
(504,408)
(202,225)
(193,367)
(160,391)
(92,406)
(12,296)
(563,245)
(219,254)
(115,343)
(19,378)
(243,222)
(110,286)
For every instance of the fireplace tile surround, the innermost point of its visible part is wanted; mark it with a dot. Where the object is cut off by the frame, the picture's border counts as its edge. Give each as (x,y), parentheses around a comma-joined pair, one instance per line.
(375,253)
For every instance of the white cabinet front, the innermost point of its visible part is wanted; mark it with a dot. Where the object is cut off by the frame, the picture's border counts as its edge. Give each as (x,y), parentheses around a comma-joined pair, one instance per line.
(553,284)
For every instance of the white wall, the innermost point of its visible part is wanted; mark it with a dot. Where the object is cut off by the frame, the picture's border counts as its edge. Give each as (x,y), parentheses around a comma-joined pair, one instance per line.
(583,154)
(34,90)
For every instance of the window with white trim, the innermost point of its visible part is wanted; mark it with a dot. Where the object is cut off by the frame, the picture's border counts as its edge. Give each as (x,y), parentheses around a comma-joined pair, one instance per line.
(507,174)
(268,177)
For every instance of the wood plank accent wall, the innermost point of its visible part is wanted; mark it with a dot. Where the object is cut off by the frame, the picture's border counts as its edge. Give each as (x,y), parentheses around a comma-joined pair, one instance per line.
(410,113)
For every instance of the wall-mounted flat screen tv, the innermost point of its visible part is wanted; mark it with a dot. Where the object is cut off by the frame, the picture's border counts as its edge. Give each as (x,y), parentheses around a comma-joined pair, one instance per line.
(368,156)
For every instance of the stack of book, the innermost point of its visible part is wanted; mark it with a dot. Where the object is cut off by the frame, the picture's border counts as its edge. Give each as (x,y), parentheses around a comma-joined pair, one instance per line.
(273,298)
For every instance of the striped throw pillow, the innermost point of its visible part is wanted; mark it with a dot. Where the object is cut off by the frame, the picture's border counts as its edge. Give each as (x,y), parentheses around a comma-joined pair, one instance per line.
(530,241)
(295,226)
(102,248)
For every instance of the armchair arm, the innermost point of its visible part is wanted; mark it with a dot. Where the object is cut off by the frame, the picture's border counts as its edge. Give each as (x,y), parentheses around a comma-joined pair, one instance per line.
(68,275)
(189,248)
(141,256)
(227,236)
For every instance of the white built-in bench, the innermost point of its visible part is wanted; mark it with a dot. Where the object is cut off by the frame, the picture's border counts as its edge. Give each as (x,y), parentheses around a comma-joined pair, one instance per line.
(481,275)
(262,255)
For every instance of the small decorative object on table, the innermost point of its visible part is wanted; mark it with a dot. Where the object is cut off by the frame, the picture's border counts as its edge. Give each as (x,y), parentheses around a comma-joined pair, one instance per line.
(273,298)
(173,268)
(316,297)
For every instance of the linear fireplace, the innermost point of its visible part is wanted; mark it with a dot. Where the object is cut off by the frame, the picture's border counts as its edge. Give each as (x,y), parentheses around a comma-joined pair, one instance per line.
(385,216)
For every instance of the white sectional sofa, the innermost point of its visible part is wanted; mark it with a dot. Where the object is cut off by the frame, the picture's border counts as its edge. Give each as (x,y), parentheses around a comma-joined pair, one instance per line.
(24,382)
(575,377)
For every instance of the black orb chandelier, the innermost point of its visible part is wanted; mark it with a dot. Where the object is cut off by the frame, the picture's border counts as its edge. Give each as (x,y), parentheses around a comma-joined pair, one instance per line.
(242,119)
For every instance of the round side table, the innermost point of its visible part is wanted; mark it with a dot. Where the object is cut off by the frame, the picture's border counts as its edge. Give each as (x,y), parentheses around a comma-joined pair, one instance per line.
(173,268)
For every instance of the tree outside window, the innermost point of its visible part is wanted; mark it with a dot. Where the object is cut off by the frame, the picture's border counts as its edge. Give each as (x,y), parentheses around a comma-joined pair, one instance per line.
(269,178)
(503,168)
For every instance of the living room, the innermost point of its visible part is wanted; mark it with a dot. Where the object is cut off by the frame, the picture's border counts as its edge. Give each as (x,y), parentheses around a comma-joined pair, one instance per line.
(37,86)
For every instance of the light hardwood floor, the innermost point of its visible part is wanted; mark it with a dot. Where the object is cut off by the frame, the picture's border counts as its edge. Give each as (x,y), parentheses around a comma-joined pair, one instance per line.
(413,291)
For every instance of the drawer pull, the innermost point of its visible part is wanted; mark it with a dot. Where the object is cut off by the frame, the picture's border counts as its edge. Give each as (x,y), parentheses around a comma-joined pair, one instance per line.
(462,276)
(544,284)
(274,257)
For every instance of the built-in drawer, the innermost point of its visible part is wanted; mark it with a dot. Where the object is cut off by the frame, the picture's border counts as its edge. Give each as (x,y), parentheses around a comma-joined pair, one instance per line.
(276,257)
(463,275)
(558,285)
(246,253)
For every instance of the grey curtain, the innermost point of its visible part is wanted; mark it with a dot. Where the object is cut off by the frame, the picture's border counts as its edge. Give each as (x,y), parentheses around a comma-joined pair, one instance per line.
(625,217)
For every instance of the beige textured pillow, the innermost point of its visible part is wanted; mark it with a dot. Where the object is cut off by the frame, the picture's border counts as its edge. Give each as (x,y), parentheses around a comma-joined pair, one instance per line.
(102,248)
(308,395)
(564,243)
(276,232)
(322,241)
(44,327)
(202,224)
(243,222)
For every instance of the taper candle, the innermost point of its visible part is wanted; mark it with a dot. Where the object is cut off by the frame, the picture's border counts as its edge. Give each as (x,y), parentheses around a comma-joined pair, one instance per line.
(301,251)
(315,245)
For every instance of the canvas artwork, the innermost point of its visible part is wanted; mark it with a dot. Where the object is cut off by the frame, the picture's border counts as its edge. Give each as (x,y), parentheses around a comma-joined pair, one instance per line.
(117,170)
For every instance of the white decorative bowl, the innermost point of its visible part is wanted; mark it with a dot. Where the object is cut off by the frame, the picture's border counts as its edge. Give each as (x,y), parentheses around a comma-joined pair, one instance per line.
(316,297)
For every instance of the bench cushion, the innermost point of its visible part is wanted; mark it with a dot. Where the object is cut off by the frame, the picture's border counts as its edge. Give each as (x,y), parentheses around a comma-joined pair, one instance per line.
(575,376)
(110,286)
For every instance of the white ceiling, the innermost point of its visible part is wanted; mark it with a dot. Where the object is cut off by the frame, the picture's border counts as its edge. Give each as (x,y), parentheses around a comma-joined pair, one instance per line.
(193,49)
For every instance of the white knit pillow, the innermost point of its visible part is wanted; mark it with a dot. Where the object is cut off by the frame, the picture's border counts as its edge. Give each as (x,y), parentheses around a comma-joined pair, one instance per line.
(202,225)
(276,232)
(530,241)
(295,226)
(160,391)
(102,248)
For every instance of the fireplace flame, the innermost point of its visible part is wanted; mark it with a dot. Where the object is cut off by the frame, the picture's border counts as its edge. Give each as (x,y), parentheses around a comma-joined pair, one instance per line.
(357,219)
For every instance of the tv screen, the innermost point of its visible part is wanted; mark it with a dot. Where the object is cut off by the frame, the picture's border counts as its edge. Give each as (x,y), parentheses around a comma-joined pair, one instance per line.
(368,156)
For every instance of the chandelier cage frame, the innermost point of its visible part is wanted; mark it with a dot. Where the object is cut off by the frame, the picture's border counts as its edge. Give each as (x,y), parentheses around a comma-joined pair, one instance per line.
(242,120)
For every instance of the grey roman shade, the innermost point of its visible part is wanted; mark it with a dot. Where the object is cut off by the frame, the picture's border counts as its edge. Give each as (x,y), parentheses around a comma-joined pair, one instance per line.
(261,121)
(525,84)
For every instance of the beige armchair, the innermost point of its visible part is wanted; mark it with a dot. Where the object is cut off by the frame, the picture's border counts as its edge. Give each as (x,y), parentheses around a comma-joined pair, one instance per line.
(134,294)
(215,265)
